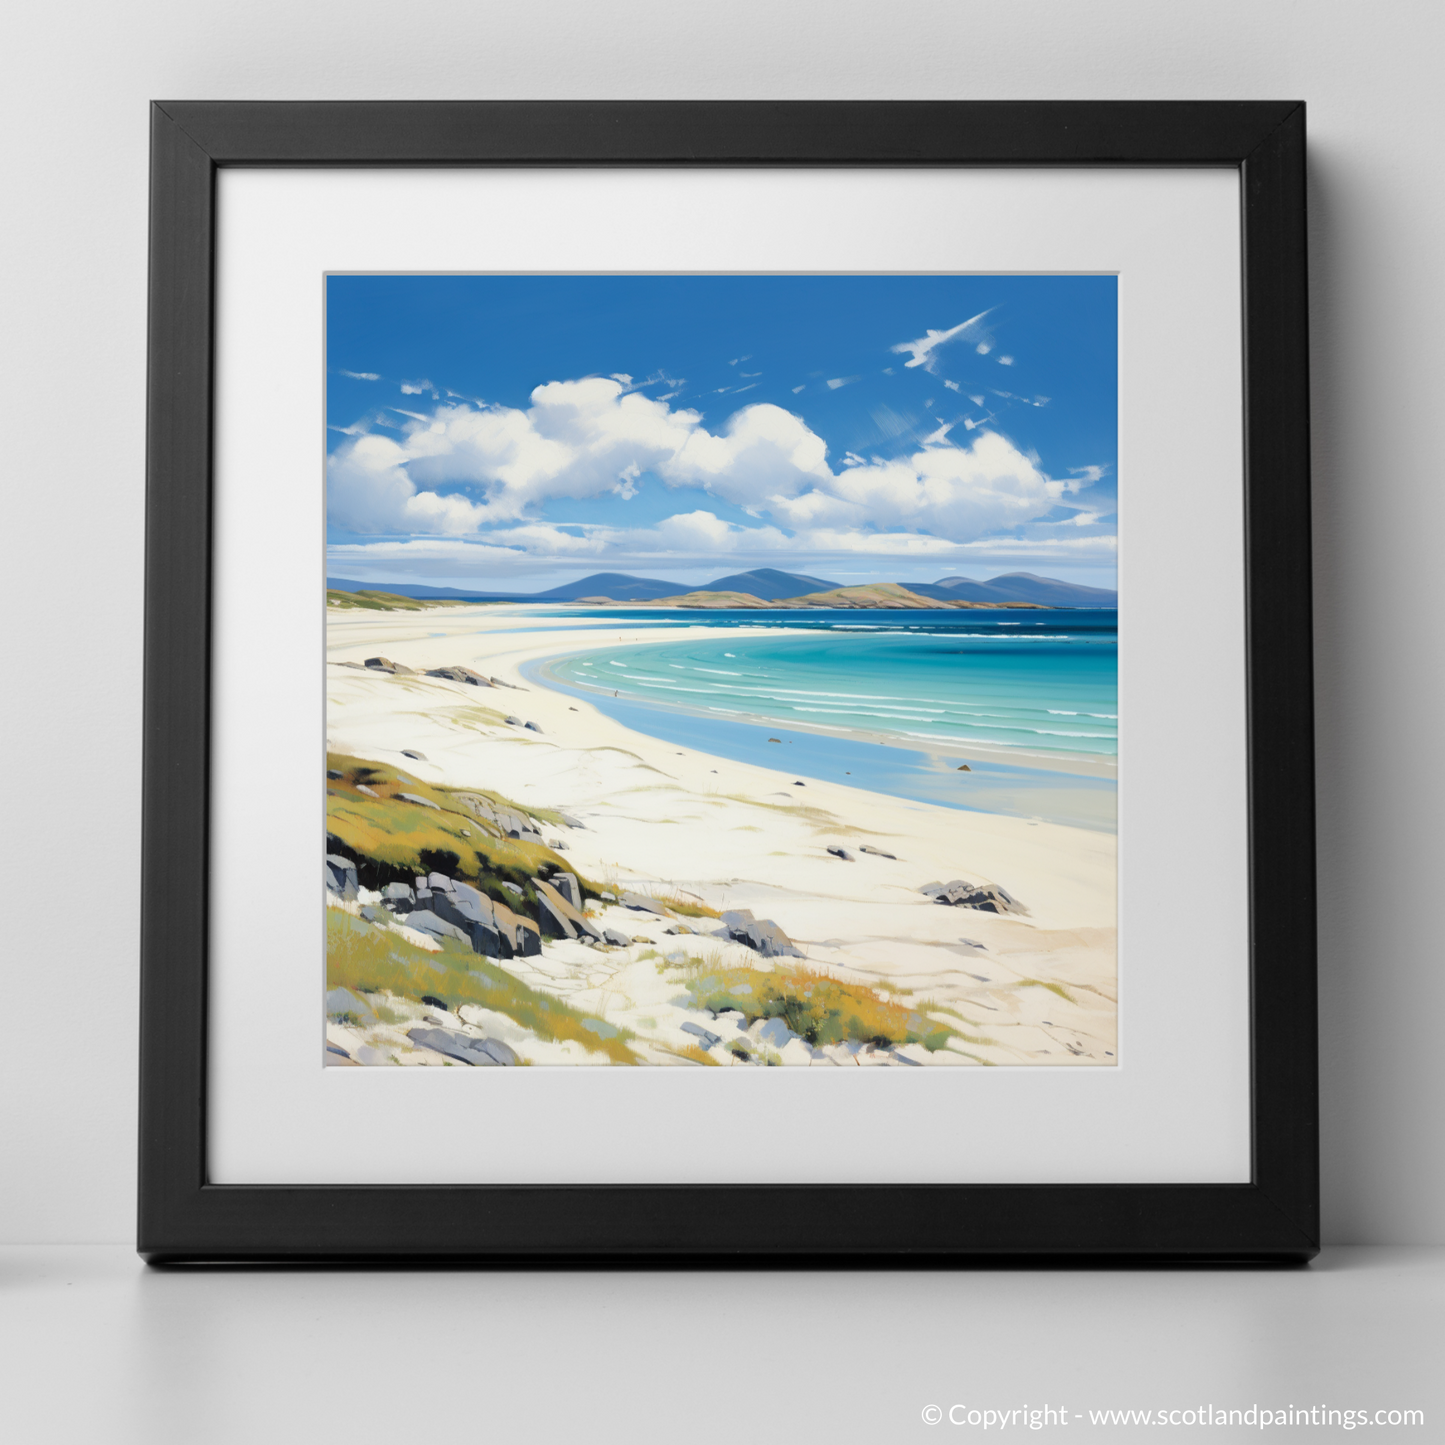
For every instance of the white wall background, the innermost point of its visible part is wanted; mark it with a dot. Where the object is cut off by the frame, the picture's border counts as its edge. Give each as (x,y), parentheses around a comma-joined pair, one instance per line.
(77,76)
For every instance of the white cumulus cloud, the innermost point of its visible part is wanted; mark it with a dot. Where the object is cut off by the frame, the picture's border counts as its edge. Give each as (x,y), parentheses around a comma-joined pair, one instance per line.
(463,470)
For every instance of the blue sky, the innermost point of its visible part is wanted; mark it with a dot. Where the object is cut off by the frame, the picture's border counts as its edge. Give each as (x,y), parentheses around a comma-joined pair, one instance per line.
(520,431)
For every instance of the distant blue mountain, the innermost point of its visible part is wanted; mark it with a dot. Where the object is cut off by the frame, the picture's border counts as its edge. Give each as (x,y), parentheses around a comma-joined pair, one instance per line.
(1024,587)
(766,583)
(769,584)
(619,586)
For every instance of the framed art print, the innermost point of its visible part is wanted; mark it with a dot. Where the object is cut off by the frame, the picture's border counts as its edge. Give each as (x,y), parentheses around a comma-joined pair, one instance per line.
(784,631)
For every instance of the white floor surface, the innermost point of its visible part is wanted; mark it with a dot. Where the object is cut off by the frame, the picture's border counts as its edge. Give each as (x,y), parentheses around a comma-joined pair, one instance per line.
(95,1347)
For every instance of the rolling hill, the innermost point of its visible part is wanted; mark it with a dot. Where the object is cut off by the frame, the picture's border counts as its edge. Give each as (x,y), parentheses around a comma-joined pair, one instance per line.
(767,586)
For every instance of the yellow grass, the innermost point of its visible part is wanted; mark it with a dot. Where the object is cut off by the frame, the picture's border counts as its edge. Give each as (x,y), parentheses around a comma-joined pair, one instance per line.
(408,838)
(815,1005)
(371,960)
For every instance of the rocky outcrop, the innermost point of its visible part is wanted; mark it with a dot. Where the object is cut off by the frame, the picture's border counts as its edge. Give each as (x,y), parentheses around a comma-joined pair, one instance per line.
(567,885)
(986,897)
(762,935)
(459,674)
(341,876)
(492,929)
(480,1053)
(560,919)
(506,823)
(434,926)
(532,727)
(877,852)
(616,938)
(385,664)
(415,756)
(419,801)
(840,852)
(643,904)
(398,897)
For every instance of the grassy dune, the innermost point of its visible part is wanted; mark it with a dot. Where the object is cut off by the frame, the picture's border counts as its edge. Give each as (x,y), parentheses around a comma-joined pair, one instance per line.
(370,960)
(392,839)
(386,601)
(815,1005)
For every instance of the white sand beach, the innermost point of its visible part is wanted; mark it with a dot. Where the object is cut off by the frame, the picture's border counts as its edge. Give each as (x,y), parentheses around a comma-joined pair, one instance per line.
(668,821)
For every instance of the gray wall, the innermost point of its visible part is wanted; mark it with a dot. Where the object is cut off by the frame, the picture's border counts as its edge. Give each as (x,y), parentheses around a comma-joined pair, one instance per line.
(77,77)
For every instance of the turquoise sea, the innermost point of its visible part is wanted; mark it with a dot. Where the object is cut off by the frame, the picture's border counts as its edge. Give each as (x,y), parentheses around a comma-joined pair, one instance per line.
(892,702)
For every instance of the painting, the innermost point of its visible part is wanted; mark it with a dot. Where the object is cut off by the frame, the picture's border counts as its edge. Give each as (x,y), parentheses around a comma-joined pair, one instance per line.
(721,670)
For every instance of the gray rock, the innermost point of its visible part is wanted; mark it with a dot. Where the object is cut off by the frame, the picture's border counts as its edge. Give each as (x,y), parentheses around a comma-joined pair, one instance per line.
(610,897)
(385,664)
(419,801)
(416,757)
(570,821)
(556,845)
(480,1053)
(615,938)
(775,1033)
(528,939)
(706,1039)
(842,853)
(372,914)
(762,935)
(423,897)
(532,727)
(567,885)
(643,904)
(370,792)
(877,852)
(515,722)
(474,913)
(986,897)
(439,881)
(335,774)
(341,875)
(398,896)
(554,909)
(554,922)
(512,888)
(425,921)
(342,1001)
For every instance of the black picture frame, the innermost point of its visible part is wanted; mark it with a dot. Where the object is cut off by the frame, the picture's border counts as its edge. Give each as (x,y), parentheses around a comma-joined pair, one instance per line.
(184,1217)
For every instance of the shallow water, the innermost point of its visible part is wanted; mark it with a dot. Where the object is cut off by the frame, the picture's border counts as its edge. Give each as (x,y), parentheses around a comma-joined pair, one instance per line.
(885,700)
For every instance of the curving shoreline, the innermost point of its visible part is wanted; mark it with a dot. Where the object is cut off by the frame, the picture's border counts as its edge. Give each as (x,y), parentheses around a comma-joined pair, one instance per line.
(1039,989)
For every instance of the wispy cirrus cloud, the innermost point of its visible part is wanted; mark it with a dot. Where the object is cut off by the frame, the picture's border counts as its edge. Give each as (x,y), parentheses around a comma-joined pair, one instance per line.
(925,349)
